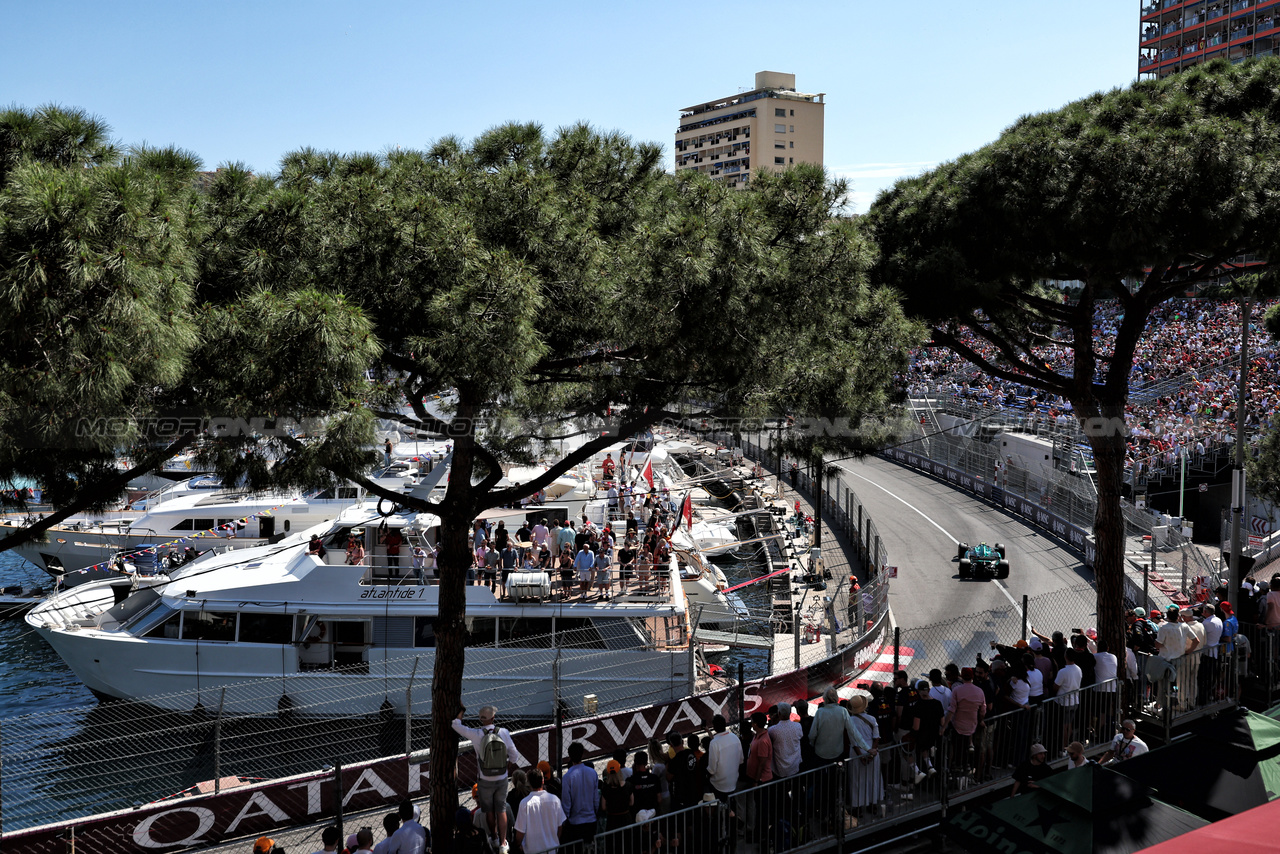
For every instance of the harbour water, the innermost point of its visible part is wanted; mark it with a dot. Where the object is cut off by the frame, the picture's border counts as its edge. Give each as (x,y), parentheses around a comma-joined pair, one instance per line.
(65,754)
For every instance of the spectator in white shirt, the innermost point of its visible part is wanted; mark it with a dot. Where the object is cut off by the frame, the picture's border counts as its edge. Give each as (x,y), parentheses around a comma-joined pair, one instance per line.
(724,756)
(1066,702)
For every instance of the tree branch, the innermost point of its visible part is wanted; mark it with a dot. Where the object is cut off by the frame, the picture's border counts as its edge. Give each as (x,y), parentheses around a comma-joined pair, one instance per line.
(88,498)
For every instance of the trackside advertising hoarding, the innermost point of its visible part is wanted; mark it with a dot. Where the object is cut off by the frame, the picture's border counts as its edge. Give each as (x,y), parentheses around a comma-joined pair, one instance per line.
(260,809)
(1075,537)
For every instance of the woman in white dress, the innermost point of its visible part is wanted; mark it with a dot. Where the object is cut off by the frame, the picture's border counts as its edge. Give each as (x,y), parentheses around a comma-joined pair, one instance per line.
(866,785)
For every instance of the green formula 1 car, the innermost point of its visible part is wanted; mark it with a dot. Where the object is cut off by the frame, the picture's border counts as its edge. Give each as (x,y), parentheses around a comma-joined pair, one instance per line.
(982,561)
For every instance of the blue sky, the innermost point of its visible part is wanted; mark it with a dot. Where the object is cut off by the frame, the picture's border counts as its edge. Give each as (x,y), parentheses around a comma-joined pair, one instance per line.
(908,85)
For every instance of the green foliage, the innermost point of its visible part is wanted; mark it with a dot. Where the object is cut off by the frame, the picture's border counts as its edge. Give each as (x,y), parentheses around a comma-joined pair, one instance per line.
(1162,183)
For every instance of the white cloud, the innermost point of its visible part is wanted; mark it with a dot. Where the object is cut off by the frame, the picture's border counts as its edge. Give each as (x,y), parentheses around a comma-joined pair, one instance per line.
(868,179)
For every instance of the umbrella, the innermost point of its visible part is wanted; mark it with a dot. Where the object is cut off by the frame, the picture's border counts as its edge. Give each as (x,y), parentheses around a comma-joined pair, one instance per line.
(1226,765)
(1089,809)
(1246,833)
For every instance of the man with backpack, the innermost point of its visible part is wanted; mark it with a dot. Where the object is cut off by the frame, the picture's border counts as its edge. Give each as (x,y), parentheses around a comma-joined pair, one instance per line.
(494,750)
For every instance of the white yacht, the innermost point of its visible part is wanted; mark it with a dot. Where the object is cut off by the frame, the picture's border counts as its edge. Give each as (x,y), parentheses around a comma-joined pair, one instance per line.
(304,623)
(201,512)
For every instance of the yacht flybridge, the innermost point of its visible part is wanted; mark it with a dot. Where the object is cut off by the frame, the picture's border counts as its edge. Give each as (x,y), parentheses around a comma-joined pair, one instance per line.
(279,610)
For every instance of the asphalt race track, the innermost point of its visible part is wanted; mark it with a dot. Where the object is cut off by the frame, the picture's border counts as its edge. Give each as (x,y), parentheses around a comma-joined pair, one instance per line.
(920,521)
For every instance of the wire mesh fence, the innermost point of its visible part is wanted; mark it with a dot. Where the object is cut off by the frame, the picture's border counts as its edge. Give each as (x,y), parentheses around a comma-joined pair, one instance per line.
(118,754)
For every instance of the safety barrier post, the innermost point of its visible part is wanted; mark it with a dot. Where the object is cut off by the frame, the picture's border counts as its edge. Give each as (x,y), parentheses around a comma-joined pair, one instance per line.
(408,709)
(217,744)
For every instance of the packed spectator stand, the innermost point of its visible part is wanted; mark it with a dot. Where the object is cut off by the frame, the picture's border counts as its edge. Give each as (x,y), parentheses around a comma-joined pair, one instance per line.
(1183,382)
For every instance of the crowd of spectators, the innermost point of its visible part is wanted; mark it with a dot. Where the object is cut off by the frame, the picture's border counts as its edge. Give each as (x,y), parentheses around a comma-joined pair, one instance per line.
(1183,381)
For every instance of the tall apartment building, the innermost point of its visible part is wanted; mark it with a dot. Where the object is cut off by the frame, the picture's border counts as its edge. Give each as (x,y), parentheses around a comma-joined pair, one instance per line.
(769,128)
(1176,34)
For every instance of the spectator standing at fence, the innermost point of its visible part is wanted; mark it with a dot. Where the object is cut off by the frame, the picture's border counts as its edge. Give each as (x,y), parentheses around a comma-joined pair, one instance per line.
(646,788)
(1269,609)
(759,770)
(1066,705)
(580,792)
(494,749)
(829,727)
(1044,664)
(926,723)
(329,837)
(682,775)
(1210,667)
(390,824)
(658,765)
(411,837)
(786,736)
(1106,673)
(1171,643)
(616,798)
(539,818)
(808,759)
(724,758)
(1194,652)
(1080,655)
(938,689)
(866,785)
(965,716)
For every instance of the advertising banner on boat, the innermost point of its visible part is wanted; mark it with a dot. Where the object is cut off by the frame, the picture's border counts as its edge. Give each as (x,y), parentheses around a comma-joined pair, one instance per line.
(262,808)
(1077,538)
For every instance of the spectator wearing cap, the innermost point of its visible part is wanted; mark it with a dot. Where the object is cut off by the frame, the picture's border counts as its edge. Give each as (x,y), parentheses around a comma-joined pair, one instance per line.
(264,845)
(1171,643)
(1030,772)
(616,798)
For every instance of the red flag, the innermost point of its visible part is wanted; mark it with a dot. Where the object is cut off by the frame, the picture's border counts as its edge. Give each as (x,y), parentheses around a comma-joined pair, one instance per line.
(647,474)
(686,509)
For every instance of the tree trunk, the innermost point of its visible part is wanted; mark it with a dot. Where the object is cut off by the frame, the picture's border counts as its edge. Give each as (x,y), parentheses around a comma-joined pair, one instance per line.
(1108,443)
(450,631)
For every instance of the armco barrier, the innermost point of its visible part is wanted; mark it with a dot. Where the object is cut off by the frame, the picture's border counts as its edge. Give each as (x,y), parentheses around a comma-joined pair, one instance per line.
(1075,537)
(258,809)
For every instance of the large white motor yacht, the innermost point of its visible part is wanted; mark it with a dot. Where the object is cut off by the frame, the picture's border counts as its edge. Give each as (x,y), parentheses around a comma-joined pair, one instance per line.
(304,624)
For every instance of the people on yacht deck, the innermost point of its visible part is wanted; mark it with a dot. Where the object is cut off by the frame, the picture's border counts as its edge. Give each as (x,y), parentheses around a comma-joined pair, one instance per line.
(567,570)
(541,533)
(393,540)
(603,580)
(355,547)
(420,563)
(608,467)
(585,564)
(489,575)
(566,535)
(510,559)
(316,547)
